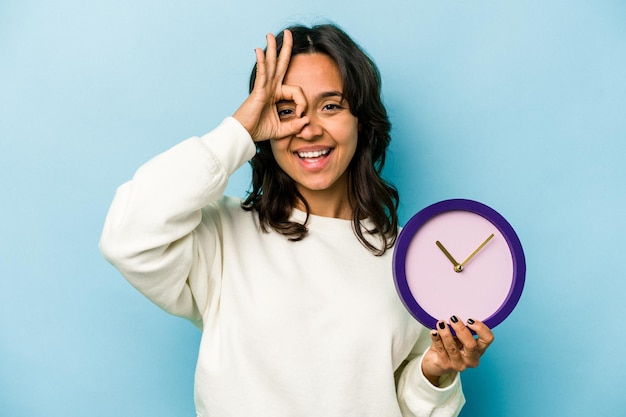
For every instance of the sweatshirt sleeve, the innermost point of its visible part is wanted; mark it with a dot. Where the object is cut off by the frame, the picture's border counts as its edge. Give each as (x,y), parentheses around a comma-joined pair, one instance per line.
(151,231)
(418,397)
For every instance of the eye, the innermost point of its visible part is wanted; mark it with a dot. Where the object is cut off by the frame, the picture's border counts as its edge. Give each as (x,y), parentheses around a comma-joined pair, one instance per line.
(332,107)
(285,112)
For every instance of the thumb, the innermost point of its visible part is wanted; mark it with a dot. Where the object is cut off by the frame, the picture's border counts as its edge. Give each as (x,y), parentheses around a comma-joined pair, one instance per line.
(292,126)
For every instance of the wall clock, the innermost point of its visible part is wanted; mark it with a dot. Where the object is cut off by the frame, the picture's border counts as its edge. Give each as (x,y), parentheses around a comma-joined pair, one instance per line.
(459,257)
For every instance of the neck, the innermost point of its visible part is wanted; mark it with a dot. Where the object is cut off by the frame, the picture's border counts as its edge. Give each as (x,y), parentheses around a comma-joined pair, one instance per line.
(327,204)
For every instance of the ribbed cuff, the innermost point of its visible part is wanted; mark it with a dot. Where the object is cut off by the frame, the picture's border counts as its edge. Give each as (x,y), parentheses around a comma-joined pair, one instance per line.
(231,144)
(419,393)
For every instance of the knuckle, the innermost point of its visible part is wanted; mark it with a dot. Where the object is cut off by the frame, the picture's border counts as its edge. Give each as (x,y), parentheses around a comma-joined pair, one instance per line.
(452,350)
(460,367)
(472,346)
(473,363)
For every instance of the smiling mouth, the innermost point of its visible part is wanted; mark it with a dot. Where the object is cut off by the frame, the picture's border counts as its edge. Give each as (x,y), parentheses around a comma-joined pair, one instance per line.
(313,154)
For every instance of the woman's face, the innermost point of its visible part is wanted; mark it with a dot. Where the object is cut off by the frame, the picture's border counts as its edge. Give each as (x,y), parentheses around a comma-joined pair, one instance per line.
(317,157)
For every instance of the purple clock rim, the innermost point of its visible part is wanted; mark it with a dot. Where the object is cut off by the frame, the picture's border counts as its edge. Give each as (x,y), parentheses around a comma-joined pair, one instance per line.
(419,219)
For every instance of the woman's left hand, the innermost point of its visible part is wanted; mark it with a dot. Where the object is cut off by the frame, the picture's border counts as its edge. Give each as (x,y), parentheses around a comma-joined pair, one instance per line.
(450,354)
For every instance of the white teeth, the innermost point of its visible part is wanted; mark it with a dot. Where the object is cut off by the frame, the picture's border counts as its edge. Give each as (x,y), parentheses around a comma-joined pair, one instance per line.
(314,154)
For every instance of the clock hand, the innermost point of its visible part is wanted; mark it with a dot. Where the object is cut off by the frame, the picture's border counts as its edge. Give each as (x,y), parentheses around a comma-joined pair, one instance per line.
(482,245)
(457,266)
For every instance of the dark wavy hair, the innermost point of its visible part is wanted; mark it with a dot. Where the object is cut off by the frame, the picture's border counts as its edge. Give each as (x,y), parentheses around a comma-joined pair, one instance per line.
(274,194)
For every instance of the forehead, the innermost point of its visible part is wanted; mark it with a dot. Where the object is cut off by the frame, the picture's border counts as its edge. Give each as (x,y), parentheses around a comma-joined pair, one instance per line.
(314,72)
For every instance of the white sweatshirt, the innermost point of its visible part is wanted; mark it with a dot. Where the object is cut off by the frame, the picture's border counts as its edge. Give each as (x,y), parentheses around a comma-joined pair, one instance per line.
(309,328)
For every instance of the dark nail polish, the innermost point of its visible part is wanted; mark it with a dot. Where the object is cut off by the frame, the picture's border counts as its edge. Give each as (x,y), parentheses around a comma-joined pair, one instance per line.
(434,333)
(442,325)
(453,319)
(470,321)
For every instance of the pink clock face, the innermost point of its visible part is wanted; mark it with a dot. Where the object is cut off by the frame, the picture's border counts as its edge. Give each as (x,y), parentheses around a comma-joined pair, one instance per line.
(459,257)
(485,281)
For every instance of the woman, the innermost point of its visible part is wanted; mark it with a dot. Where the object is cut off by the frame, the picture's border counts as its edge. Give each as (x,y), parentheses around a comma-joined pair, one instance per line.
(292,288)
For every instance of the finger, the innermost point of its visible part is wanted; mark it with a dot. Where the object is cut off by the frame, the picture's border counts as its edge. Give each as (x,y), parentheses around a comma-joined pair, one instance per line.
(270,56)
(296,123)
(261,72)
(451,347)
(295,94)
(284,56)
(441,359)
(441,355)
(437,343)
(463,334)
(484,333)
(468,345)
(292,127)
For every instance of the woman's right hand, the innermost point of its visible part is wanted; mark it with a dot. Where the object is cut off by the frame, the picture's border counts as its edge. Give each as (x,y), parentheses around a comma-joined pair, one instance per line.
(258,113)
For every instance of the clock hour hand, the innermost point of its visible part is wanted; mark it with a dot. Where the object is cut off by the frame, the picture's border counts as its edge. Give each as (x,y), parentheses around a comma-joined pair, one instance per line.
(482,245)
(457,266)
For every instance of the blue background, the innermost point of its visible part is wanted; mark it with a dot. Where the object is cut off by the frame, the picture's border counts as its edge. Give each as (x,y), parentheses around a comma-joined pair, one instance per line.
(518,104)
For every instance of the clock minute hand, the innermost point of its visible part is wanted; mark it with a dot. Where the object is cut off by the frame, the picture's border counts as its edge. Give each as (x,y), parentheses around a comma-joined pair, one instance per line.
(482,245)
(457,266)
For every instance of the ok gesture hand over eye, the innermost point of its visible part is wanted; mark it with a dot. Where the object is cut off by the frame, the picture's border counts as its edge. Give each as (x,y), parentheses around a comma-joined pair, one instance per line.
(258,113)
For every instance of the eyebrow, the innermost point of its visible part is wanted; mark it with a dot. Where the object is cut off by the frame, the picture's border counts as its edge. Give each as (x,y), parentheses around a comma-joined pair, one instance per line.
(331,94)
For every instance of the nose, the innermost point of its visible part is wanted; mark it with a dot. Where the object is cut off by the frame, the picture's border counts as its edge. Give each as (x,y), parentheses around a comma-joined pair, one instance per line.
(311,130)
